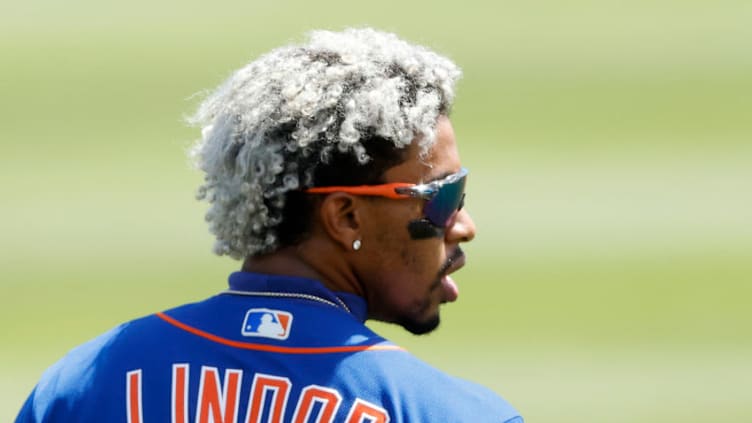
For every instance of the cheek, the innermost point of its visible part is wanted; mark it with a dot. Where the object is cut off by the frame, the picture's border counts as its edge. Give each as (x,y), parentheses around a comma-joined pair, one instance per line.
(400,250)
(422,258)
(398,254)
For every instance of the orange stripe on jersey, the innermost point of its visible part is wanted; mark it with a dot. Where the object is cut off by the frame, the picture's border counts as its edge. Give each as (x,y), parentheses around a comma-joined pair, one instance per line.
(275,348)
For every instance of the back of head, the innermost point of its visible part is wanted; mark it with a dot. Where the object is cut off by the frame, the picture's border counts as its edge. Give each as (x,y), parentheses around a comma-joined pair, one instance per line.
(337,110)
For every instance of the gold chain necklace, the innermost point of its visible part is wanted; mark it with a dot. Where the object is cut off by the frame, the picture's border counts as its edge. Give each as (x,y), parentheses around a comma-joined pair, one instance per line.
(311,297)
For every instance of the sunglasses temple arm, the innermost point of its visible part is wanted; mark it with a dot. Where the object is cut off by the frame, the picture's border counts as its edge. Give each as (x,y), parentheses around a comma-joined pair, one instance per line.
(395,191)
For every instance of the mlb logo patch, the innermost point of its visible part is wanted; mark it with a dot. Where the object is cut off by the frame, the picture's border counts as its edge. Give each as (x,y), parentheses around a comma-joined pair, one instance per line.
(267,323)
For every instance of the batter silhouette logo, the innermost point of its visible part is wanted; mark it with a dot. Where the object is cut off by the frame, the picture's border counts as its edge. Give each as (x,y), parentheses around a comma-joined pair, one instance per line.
(267,323)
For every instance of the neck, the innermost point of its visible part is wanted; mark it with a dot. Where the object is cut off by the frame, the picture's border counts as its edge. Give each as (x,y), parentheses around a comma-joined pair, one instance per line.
(310,259)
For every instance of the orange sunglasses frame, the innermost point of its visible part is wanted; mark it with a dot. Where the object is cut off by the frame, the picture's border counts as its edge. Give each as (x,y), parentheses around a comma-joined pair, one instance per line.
(383,190)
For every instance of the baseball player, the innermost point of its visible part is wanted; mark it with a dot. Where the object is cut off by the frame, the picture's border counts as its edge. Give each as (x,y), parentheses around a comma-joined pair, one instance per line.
(331,169)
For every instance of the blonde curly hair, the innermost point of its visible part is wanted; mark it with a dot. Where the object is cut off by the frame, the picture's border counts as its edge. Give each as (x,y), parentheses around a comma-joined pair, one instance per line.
(274,122)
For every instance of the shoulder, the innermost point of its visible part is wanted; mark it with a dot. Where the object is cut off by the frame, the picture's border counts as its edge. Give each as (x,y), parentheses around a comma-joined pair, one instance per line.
(62,385)
(416,391)
(81,379)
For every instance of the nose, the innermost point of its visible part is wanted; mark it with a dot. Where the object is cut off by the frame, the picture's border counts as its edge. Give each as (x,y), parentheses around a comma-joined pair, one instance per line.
(462,229)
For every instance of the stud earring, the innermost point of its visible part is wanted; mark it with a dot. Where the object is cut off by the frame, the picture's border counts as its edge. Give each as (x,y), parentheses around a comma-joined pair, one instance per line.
(356,245)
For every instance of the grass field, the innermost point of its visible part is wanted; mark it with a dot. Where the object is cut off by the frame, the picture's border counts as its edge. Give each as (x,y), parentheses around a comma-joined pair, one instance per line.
(610,146)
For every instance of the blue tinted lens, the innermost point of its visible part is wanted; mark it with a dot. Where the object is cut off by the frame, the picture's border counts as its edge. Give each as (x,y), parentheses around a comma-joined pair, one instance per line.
(447,200)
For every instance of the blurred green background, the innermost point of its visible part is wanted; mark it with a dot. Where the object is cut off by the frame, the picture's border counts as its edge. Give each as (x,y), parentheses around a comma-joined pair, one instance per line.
(610,144)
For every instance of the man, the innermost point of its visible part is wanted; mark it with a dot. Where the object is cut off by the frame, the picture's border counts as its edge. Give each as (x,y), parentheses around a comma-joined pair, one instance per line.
(332,170)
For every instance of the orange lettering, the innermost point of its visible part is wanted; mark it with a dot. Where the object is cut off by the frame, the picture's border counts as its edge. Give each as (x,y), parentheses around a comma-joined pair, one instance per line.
(180,393)
(133,393)
(213,406)
(363,410)
(280,389)
(328,398)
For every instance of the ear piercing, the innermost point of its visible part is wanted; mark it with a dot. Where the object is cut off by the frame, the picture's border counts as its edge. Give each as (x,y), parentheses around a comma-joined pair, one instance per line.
(356,245)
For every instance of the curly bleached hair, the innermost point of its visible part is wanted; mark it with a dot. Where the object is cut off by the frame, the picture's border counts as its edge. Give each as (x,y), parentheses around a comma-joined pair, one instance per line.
(339,109)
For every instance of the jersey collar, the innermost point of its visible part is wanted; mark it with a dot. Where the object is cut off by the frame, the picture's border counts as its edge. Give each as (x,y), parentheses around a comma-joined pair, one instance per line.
(247,281)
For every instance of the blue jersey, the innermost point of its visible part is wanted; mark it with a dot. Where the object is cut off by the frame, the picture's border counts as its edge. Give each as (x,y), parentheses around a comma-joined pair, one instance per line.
(270,349)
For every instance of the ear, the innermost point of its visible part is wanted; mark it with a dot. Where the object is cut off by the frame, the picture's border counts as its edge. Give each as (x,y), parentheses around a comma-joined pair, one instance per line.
(341,218)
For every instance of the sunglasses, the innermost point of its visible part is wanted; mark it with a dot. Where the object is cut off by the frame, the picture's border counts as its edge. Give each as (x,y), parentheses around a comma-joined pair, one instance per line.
(443,197)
